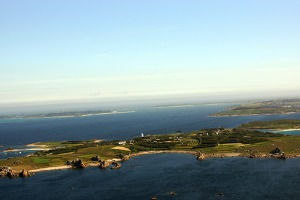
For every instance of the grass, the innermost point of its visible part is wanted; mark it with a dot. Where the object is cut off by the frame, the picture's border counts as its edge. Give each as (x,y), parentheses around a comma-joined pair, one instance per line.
(38,160)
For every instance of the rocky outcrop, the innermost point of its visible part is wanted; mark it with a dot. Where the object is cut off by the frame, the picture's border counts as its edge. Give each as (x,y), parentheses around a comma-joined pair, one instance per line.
(103,164)
(201,156)
(24,173)
(279,156)
(126,157)
(123,157)
(9,172)
(252,156)
(116,165)
(78,163)
(277,153)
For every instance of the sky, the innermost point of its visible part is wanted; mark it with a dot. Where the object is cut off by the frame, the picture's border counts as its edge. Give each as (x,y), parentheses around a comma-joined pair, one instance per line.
(64,50)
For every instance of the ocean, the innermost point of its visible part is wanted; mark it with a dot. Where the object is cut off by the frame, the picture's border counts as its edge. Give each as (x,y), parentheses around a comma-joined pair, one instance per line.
(165,176)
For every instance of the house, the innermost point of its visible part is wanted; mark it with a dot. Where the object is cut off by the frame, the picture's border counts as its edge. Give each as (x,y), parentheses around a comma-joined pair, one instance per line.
(122,142)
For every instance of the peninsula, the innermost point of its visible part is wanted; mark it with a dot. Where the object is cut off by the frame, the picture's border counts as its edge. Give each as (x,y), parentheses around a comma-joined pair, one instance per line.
(273,107)
(218,142)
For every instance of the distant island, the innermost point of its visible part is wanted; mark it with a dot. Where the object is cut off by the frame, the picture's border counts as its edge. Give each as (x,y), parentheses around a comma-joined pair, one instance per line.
(282,124)
(64,114)
(272,107)
(219,142)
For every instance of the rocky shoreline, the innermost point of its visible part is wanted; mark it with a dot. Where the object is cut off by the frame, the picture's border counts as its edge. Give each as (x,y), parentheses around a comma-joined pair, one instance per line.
(6,171)
(9,172)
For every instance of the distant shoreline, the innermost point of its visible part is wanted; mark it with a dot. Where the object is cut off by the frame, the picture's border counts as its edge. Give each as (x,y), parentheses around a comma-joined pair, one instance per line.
(244,115)
(69,116)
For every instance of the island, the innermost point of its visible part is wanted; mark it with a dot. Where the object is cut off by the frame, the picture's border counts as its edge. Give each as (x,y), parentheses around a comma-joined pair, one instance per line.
(64,114)
(272,107)
(275,125)
(219,142)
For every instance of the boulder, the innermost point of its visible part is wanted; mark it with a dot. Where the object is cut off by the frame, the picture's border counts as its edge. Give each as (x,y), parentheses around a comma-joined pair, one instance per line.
(252,156)
(103,164)
(201,156)
(24,173)
(276,150)
(116,165)
(279,156)
(78,163)
(277,153)
(7,171)
(12,174)
(282,156)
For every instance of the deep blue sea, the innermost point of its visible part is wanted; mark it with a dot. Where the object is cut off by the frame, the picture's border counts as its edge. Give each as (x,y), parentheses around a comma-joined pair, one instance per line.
(152,175)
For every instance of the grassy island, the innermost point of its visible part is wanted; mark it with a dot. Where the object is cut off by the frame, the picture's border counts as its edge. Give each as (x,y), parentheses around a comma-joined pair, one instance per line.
(282,124)
(272,107)
(218,142)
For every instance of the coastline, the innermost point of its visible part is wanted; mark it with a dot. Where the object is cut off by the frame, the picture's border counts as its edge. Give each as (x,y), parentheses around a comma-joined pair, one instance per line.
(285,130)
(195,153)
(244,115)
(93,164)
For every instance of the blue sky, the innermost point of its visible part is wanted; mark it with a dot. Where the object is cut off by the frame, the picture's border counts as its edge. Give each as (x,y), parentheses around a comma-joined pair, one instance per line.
(81,50)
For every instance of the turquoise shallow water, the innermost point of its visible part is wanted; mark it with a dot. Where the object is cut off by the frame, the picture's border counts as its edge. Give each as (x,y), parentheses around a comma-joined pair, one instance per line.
(149,176)
(295,132)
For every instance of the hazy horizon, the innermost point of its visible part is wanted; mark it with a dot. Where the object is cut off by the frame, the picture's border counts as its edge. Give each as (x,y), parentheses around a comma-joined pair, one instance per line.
(132,104)
(106,52)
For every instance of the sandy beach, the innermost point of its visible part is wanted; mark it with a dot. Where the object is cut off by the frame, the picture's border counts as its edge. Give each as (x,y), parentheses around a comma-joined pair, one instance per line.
(36,145)
(50,168)
(286,130)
